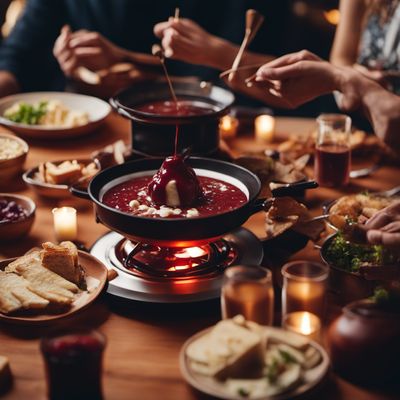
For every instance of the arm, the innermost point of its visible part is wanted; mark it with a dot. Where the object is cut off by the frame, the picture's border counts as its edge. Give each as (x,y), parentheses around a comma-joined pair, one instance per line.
(8,84)
(348,33)
(26,53)
(300,77)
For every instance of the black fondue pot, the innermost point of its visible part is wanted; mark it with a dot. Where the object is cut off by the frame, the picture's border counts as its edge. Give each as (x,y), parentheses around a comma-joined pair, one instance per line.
(175,232)
(154,135)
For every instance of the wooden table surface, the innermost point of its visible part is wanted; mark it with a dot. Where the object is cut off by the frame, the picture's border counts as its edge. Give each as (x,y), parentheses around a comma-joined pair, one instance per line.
(141,359)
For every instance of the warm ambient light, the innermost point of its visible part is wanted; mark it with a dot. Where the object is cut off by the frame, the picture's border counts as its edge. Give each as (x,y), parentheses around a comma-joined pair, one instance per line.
(264,127)
(228,127)
(65,223)
(332,16)
(304,323)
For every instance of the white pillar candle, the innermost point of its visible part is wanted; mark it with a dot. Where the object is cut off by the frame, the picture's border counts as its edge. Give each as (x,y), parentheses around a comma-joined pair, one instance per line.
(264,128)
(65,223)
(228,127)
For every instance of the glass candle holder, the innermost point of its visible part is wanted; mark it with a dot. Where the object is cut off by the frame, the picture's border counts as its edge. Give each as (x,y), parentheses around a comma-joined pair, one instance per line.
(248,291)
(304,287)
(228,126)
(264,128)
(332,150)
(73,365)
(65,223)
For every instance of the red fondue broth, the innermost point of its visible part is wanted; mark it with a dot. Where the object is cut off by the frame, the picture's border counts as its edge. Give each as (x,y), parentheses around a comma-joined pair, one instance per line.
(180,109)
(218,197)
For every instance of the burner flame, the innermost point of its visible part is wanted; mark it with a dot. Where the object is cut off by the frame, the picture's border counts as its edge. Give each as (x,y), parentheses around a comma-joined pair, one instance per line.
(191,252)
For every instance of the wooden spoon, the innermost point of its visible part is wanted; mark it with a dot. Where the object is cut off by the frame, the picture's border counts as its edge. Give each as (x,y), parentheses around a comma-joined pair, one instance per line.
(254,21)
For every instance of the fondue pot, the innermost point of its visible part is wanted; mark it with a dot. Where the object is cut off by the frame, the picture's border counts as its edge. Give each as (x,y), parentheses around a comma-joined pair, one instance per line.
(175,232)
(154,134)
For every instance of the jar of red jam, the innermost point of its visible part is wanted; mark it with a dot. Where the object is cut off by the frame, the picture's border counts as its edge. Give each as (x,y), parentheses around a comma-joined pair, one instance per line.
(73,365)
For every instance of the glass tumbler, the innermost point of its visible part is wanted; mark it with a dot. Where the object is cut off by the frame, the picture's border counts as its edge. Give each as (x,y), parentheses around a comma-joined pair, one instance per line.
(247,290)
(73,364)
(304,287)
(332,150)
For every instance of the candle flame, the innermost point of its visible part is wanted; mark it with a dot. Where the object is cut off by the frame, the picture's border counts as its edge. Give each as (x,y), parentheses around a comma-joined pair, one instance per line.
(305,324)
(332,16)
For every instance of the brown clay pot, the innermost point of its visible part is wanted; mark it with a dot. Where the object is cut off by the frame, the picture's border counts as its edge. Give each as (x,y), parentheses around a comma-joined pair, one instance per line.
(364,343)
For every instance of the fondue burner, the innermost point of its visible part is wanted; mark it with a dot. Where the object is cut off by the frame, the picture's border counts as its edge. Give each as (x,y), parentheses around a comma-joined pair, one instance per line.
(150,273)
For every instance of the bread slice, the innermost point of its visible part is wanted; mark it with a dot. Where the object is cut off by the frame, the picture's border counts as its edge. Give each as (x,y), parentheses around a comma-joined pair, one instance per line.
(63,260)
(65,173)
(227,351)
(43,282)
(15,294)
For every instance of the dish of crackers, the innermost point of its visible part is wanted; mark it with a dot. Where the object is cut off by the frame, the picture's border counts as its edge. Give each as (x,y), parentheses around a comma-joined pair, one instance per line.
(238,359)
(49,283)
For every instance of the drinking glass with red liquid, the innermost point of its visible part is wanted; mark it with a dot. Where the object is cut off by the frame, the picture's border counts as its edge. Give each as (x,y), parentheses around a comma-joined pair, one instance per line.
(73,365)
(332,151)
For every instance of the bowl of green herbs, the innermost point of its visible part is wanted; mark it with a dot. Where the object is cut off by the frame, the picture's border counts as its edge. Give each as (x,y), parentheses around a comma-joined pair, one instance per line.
(348,261)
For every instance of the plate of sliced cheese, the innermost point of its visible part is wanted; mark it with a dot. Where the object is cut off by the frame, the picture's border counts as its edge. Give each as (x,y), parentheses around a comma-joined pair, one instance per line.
(52,115)
(238,359)
(49,284)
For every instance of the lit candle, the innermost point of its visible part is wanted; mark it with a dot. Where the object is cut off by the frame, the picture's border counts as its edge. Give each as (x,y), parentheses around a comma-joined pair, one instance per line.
(65,224)
(264,127)
(303,322)
(228,127)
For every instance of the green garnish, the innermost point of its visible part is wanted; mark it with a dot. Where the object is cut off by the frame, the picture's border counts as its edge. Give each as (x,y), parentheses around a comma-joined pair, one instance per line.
(287,357)
(27,113)
(350,256)
(380,295)
(243,392)
(273,371)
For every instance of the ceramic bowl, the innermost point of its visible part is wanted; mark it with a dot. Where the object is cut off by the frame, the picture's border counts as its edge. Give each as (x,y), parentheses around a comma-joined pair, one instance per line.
(10,230)
(11,167)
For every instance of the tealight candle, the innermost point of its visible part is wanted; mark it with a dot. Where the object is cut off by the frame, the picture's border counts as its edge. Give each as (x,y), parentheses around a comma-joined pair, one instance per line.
(304,287)
(264,127)
(228,127)
(65,223)
(303,322)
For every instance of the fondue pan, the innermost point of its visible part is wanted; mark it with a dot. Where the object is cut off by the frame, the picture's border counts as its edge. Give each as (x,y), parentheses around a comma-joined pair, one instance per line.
(175,232)
(154,134)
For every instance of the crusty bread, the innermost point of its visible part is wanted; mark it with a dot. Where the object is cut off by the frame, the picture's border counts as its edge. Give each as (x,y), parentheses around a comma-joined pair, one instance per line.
(65,173)
(43,282)
(226,351)
(16,294)
(63,260)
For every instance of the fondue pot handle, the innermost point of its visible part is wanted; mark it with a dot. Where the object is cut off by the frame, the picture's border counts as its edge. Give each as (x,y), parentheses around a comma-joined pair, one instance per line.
(79,192)
(119,109)
(291,188)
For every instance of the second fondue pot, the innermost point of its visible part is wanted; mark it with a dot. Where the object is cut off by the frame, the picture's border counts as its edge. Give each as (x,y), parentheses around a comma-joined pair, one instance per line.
(154,134)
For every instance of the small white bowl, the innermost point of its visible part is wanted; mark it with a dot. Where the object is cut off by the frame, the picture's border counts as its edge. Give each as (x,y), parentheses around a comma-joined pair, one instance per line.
(97,110)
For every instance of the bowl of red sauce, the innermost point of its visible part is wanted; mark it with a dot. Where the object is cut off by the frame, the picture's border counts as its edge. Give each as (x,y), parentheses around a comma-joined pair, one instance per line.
(155,117)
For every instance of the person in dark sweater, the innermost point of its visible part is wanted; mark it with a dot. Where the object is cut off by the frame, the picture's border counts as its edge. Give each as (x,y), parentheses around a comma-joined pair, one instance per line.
(53,37)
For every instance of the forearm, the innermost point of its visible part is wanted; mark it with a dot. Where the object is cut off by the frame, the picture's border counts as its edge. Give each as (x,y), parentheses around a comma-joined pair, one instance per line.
(8,84)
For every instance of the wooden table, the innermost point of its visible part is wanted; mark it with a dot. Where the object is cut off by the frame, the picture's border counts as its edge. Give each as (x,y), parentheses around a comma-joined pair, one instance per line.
(141,359)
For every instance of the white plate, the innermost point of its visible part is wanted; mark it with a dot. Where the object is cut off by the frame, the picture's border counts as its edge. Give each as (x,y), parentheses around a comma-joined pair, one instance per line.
(213,387)
(97,110)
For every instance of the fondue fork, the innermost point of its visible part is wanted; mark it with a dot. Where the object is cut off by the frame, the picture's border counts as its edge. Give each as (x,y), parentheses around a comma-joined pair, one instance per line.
(157,51)
(254,21)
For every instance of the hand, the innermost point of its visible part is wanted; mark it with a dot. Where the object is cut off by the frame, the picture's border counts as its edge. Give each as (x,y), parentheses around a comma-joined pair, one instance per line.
(86,49)
(184,40)
(384,227)
(297,78)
